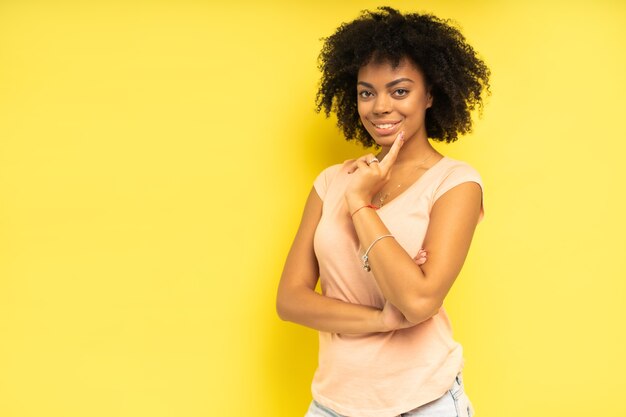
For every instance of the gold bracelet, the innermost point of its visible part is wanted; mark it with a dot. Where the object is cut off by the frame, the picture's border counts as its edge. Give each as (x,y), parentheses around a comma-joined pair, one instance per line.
(366,263)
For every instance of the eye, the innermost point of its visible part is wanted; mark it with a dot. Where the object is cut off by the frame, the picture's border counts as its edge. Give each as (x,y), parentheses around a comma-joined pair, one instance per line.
(365,94)
(401,92)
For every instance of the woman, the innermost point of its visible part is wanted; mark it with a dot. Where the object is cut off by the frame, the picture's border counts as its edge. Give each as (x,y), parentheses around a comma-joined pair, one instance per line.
(387,235)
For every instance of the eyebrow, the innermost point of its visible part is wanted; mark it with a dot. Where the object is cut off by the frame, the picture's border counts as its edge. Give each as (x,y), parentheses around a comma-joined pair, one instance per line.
(390,84)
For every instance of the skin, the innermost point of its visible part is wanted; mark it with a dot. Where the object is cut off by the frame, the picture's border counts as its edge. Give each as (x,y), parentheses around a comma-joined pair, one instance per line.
(413,287)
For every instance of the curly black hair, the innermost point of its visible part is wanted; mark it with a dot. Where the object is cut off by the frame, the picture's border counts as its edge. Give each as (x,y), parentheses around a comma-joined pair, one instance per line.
(455,76)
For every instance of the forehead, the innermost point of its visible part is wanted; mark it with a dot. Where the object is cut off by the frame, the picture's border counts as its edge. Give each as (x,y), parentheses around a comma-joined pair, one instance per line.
(384,70)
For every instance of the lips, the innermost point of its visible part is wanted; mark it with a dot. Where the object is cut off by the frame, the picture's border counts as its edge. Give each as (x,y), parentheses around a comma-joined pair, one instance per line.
(385,127)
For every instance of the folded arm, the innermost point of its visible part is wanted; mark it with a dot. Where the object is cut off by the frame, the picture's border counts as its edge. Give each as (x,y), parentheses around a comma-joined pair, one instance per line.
(419,291)
(298,302)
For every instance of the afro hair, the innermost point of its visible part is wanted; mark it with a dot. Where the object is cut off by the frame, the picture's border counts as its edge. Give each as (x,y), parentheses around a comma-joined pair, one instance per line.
(456,77)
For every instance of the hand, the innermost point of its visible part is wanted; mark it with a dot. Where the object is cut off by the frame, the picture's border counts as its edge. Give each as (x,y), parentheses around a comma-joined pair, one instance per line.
(369,178)
(392,319)
(421,257)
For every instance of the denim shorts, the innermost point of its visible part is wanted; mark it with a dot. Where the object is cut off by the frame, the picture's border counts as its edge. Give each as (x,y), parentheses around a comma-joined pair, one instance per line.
(454,403)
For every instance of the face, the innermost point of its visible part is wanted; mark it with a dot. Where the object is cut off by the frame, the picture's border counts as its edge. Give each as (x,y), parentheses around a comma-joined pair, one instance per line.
(391,100)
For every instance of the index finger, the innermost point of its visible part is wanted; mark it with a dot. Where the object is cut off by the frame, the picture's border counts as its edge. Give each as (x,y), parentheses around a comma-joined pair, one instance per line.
(391,156)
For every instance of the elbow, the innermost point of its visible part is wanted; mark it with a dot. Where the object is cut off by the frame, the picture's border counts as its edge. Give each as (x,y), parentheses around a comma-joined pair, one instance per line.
(421,310)
(285,305)
(281,308)
(291,301)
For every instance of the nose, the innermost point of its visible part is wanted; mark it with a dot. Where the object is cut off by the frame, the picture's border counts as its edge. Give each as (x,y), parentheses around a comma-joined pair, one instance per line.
(382,105)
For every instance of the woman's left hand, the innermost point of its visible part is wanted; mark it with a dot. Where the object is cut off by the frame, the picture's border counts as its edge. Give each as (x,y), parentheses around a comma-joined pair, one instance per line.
(370,175)
(421,257)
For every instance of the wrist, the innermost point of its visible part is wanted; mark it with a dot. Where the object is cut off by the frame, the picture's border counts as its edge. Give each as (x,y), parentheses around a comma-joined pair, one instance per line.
(381,323)
(367,206)
(356,202)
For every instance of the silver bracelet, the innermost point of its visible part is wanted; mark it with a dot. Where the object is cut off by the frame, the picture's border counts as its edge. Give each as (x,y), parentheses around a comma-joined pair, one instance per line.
(366,263)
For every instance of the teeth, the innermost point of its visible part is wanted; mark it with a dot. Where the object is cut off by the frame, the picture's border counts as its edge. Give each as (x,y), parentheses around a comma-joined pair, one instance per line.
(385,126)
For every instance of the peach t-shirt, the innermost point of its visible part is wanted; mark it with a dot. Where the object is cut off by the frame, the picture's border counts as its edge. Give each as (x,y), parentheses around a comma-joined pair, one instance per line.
(382,374)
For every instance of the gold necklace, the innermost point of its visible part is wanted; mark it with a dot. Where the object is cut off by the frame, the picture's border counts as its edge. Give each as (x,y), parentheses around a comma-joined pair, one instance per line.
(382,198)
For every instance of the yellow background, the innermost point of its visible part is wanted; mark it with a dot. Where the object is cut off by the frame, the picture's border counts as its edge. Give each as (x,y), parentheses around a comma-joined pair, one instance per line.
(154,161)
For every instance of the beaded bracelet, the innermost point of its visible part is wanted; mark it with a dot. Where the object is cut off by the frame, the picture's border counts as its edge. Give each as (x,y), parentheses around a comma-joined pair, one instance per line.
(366,263)
(362,207)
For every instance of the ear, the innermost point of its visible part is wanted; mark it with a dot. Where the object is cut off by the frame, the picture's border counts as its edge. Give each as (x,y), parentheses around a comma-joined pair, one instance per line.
(429,96)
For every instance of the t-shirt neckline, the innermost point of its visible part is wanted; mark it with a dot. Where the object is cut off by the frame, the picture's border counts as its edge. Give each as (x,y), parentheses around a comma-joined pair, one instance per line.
(413,184)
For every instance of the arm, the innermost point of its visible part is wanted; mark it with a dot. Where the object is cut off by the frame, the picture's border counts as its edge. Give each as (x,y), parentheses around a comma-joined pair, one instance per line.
(298,302)
(418,292)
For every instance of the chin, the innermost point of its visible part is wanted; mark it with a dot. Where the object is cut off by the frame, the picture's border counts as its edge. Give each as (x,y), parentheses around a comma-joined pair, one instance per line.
(384,141)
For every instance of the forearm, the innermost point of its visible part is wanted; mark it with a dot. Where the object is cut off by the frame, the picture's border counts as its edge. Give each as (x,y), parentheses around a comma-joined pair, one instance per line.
(401,281)
(417,292)
(309,308)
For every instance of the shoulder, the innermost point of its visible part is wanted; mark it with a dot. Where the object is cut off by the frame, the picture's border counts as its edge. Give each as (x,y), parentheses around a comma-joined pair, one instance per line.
(327,175)
(335,168)
(459,166)
(456,172)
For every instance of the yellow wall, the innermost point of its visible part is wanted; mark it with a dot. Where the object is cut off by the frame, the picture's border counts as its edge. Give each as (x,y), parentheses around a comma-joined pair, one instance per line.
(154,161)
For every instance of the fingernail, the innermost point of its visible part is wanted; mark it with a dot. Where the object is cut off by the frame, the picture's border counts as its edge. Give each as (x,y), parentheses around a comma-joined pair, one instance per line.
(401,136)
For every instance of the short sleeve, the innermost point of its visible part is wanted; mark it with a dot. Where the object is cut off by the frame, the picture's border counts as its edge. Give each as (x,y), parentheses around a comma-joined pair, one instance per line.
(458,175)
(324,179)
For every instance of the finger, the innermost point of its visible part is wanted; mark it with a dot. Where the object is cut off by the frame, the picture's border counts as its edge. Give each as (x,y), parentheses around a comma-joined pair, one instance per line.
(420,257)
(361,164)
(371,159)
(367,158)
(352,167)
(391,156)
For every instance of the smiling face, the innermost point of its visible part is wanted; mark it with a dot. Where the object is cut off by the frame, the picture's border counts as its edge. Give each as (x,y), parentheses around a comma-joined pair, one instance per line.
(391,100)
